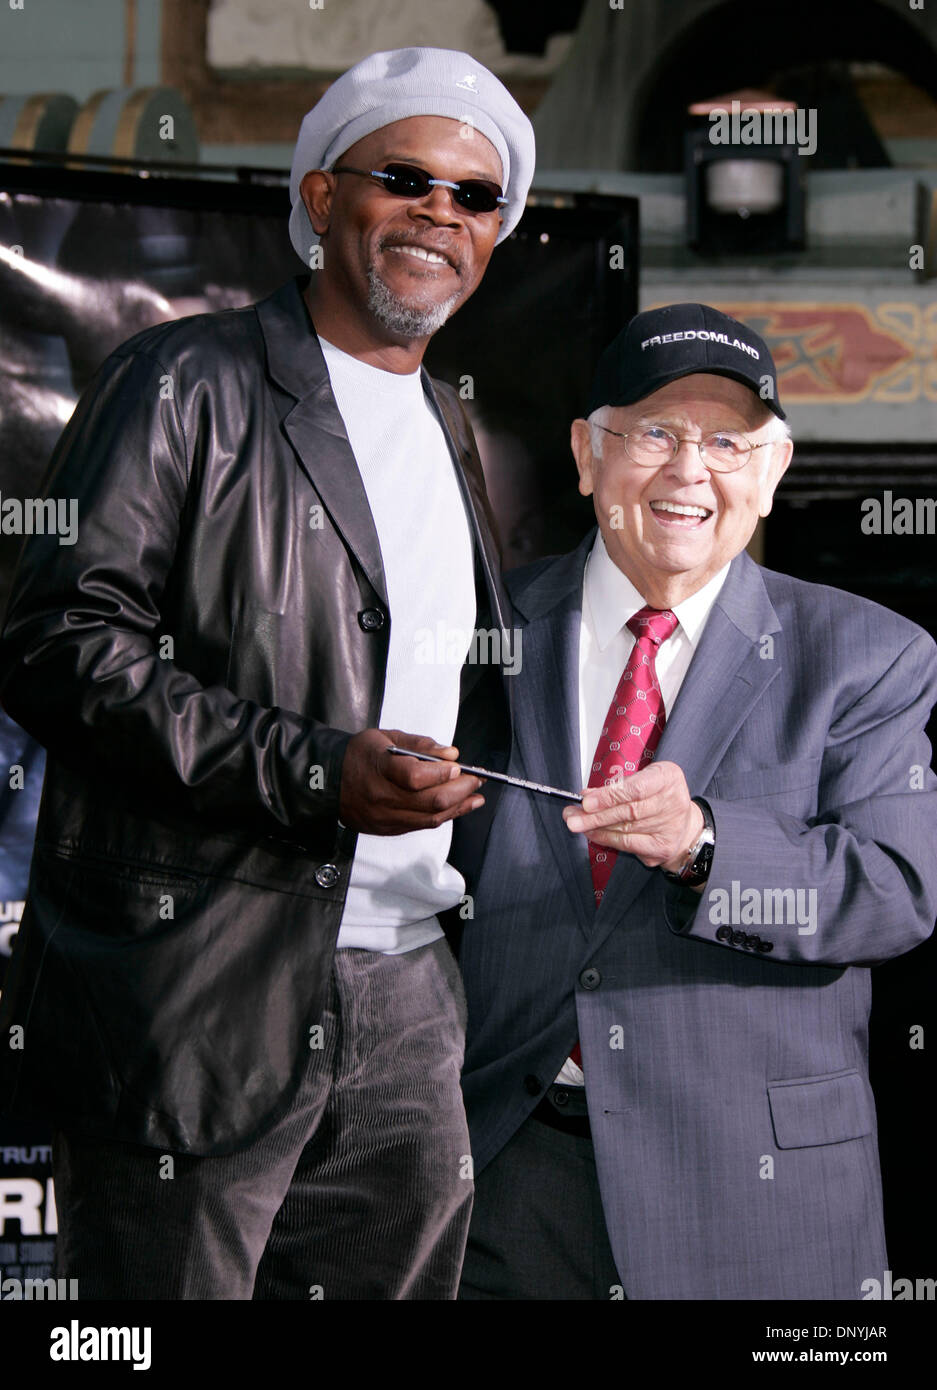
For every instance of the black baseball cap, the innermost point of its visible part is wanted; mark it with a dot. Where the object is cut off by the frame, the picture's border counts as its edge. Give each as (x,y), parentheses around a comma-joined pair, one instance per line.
(662,345)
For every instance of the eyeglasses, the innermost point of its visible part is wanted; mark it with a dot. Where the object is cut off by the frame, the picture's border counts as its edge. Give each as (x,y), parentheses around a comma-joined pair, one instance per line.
(409,181)
(724,451)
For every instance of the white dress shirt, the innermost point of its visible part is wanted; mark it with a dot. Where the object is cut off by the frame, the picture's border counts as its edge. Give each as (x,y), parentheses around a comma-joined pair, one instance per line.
(609,599)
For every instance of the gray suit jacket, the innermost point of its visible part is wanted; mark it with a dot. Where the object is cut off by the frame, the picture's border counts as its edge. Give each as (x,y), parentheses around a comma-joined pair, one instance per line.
(725,1061)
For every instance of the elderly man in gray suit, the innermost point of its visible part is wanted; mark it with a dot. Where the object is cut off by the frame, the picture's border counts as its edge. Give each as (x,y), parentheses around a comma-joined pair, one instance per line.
(668,988)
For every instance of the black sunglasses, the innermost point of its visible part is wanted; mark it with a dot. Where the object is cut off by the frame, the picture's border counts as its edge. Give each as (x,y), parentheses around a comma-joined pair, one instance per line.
(409,181)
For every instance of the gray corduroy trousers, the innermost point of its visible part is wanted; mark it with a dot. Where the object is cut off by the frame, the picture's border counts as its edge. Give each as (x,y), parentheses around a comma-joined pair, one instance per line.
(362,1191)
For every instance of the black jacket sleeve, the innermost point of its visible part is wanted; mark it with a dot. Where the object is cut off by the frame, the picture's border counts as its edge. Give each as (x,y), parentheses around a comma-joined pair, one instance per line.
(81,660)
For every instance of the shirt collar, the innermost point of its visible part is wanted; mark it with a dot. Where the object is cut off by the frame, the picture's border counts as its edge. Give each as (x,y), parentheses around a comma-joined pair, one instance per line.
(611,599)
(368,377)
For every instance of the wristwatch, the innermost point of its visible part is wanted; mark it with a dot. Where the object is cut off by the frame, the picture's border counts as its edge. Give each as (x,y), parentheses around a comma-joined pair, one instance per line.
(699,857)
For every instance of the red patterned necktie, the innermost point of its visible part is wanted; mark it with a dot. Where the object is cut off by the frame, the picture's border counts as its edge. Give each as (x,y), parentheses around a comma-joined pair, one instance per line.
(632,730)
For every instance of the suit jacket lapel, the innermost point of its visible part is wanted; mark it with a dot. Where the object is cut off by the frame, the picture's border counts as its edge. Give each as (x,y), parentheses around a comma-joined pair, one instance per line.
(728,673)
(546,712)
(726,677)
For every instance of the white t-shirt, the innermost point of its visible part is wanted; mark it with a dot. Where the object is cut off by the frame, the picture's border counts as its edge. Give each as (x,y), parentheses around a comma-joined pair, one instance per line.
(399,882)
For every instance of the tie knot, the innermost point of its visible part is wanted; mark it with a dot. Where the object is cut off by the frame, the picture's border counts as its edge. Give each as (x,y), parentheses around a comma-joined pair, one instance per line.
(657,624)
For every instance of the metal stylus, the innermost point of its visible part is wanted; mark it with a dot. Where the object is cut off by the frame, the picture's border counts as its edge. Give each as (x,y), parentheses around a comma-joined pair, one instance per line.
(491,776)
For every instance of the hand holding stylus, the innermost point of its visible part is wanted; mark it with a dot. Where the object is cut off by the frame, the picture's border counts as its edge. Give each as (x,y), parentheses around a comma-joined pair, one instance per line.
(391,796)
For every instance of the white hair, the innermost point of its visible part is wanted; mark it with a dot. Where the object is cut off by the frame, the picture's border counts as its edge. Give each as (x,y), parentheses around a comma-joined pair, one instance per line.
(596,437)
(780,430)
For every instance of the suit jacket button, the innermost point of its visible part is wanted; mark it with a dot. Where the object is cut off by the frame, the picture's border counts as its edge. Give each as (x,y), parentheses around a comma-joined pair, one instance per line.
(327,875)
(590,979)
(560,1097)
(532,1085)
(371,619)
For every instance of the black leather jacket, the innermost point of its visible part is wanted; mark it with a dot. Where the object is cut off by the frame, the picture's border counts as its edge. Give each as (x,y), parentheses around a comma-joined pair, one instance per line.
(209,641)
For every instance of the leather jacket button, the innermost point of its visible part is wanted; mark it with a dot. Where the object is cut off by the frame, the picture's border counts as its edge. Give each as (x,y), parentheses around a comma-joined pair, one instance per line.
(590,979)
(327,875)
(532,1085)
(371,620)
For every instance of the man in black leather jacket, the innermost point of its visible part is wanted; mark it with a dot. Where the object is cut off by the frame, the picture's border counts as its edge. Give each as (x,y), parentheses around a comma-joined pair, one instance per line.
(241,1109)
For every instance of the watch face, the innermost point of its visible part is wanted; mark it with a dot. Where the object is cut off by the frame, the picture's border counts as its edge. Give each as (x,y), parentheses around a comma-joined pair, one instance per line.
(703,862)
(697,871)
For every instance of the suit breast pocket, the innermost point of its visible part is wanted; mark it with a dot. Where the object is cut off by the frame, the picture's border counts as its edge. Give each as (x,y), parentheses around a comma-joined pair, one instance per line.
(811,1110)
(796,781)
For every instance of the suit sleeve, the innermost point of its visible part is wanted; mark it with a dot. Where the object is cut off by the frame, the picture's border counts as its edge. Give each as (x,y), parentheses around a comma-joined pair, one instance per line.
(81,667)
(857,883)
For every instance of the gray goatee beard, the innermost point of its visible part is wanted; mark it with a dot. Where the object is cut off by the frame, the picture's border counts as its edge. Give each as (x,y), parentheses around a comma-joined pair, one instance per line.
(407,320)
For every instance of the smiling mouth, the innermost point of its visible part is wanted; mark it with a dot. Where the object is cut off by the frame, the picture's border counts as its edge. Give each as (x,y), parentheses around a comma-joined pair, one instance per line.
(424,254)
(681,514)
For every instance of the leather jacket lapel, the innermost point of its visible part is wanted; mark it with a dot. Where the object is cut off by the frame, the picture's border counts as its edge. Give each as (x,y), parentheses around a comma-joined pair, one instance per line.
(315,427)
(472,483)
(317,432)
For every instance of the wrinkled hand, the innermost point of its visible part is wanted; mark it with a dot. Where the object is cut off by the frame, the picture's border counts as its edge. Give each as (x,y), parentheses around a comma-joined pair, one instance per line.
(384,794)
(648,814)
